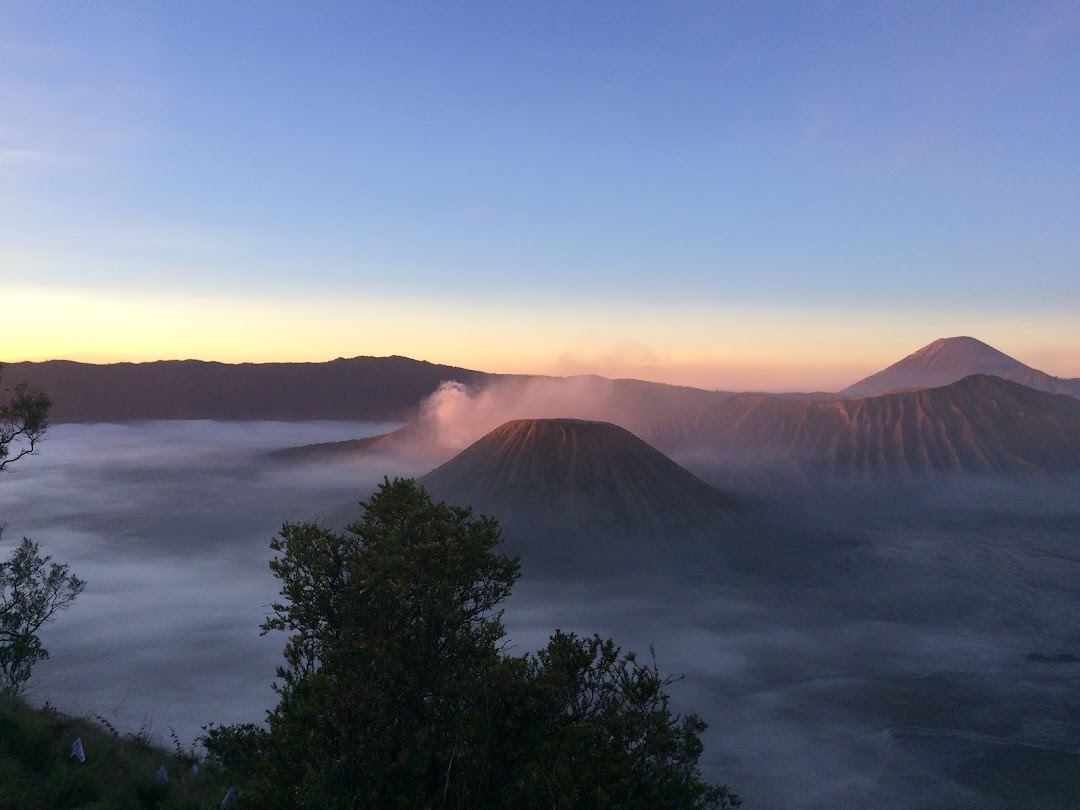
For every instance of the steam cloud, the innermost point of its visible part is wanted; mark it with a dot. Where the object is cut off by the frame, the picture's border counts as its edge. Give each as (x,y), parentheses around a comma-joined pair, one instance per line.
(457,415)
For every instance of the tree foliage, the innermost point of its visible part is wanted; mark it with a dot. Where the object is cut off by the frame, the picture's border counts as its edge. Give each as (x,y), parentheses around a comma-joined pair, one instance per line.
(23,421)
(604,734)
(33,589)
(395,691)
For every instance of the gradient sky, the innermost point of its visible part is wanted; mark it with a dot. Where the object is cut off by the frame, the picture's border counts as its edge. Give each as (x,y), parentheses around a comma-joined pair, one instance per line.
(734,195)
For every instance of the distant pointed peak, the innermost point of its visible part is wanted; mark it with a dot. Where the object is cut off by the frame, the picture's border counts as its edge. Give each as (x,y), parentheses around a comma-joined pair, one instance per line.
(945,361)
(960,343)
(959,339)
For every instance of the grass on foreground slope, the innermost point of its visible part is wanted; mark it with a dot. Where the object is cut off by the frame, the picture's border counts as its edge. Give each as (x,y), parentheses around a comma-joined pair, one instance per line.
(38,771)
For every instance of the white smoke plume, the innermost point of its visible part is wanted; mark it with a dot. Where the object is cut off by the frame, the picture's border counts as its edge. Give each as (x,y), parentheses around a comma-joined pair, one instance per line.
(455,415)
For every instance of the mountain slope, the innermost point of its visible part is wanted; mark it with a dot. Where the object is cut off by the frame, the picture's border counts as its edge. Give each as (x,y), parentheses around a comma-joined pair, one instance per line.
(567,485)
(950,359)
(979,425)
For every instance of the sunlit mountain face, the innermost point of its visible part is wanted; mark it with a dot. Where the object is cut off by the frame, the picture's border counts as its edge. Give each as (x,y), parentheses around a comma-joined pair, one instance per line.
(950,359)
(979,426)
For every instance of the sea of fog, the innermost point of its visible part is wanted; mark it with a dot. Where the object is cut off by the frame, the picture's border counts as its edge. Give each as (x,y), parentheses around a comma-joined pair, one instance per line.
(901,680)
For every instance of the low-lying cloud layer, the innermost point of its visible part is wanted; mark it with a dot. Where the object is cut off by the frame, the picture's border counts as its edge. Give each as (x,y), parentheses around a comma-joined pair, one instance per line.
(903,672)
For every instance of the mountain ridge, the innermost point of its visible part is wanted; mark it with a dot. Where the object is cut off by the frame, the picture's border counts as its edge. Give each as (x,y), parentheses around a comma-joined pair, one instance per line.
(358,388)
(349,389)
(978,425)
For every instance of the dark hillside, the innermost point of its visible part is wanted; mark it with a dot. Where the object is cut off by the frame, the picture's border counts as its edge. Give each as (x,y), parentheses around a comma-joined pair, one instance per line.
(360,388)
(37,770)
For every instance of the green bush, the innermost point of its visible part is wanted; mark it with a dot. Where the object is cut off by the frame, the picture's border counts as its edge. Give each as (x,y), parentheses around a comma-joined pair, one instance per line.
(395,693)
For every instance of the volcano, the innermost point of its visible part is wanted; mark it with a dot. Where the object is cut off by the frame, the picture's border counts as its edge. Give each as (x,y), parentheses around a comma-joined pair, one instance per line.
(569,483)
(948,360)
(981,425)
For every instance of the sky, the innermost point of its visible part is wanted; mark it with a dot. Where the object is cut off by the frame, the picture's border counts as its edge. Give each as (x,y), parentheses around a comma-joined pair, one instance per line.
(759,195)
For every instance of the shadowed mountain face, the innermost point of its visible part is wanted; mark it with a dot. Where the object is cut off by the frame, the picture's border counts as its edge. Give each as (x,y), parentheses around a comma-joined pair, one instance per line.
(360,388)
(948,360)
(560,480)
(979,425)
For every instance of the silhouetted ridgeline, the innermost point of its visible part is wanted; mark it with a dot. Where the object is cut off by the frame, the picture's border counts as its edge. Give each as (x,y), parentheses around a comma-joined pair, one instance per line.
(392,388)
(360,388)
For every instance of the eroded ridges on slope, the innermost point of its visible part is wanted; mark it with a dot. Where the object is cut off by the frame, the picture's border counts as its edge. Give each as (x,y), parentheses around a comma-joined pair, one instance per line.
(588,473)
(979,425)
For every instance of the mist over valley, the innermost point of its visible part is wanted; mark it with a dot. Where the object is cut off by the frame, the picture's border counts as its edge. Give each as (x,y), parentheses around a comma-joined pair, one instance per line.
(868,597)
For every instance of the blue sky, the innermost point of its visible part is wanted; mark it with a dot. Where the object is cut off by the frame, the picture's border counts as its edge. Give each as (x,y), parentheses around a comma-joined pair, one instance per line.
(729,194)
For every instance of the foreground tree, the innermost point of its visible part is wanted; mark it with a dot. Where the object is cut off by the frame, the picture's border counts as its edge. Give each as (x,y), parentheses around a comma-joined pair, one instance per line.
(33,589)
(604,734)
(23,421)
(395,693)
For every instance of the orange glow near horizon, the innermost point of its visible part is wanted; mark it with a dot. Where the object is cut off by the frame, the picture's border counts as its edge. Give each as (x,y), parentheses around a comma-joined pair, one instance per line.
(766,350)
